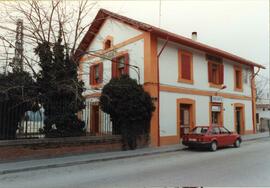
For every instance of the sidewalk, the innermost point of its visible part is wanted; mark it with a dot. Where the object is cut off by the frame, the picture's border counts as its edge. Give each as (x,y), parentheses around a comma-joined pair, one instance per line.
(255,136)
(20,166)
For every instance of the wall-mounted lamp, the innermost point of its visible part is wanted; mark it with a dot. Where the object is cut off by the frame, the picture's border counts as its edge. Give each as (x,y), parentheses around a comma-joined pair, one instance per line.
(222,87)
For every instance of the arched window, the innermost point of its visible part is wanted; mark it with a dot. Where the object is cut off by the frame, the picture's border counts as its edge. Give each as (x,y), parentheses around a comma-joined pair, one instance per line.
(108,42)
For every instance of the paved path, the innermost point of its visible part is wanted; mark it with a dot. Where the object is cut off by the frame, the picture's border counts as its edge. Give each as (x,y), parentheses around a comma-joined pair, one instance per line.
(245,166)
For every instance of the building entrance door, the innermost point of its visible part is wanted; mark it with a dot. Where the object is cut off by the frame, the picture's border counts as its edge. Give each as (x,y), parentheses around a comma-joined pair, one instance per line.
(238,114)
(94,128)
(185,119)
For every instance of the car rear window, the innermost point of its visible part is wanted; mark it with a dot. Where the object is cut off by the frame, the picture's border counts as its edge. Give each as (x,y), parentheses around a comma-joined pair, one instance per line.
(200,130)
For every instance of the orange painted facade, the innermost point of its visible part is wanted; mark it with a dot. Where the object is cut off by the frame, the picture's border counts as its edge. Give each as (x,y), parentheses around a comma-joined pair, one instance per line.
(150,80)
(191,91)
(153,87)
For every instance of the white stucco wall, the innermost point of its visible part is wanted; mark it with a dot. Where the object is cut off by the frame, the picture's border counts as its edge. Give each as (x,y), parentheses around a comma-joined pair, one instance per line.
(168,112)
(263,113)
(119,31)
(136,56)
(169,70)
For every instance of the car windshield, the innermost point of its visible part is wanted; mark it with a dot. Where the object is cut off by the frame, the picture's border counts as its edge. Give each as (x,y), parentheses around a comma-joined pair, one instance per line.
(200,130)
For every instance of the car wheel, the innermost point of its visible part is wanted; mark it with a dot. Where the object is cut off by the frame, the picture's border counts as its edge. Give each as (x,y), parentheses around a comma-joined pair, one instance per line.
(213,146)
(237,143)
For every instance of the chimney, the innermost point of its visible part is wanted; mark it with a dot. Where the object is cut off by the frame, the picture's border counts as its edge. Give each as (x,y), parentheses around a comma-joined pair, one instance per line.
(194,36)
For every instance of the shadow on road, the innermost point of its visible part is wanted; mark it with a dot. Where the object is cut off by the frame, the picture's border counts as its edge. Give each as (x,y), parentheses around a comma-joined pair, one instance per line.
(197,149)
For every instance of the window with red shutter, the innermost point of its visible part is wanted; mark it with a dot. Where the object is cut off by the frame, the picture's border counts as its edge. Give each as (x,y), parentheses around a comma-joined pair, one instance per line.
(215,73)
(221,75)
(120,66)
(91,75)
(96,74)
(209,72)
(238,83)
(185,65)
(100,70)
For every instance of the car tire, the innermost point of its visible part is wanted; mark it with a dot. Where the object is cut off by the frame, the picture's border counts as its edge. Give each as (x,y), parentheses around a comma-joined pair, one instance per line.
(213,146)
(237,143)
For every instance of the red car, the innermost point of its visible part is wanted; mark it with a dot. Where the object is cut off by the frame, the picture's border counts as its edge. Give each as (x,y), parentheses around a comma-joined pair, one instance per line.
(211,137)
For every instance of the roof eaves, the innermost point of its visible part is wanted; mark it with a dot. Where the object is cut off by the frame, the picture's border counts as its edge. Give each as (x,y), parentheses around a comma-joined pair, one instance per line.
(103,14)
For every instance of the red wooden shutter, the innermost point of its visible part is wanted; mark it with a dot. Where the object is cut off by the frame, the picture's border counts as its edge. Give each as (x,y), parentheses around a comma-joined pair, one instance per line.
(114,68)
(186,66)
(126,68)
(221,74)
(91,76)
(100,72)
(209,72)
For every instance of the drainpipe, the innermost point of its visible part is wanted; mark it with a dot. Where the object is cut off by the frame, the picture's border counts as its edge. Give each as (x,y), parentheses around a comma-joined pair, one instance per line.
(253,98)
(158,84)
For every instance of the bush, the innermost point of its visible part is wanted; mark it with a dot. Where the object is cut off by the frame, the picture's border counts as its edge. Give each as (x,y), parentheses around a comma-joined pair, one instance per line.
(130,108)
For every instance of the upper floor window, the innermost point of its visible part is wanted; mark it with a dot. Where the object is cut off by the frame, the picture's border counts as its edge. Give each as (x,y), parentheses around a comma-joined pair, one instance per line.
(185,67)
(120,66)
(215,73)
(107,42)
(96,73)
(238,81)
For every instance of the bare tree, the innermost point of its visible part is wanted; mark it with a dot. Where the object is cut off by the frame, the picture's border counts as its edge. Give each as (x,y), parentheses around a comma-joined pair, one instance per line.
(261,88)
(43,20)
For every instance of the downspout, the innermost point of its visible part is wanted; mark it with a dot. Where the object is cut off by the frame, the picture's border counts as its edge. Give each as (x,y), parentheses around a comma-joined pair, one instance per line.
(158,84)
(253,93)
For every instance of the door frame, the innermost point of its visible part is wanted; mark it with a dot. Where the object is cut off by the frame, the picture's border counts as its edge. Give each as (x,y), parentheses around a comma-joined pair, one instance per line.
(242,116)
(190,102)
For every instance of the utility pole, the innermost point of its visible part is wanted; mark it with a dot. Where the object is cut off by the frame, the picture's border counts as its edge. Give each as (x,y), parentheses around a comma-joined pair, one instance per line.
(17,62)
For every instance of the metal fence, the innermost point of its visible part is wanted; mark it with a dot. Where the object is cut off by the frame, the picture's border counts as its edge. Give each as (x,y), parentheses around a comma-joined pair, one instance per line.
(15,123)
(97,122)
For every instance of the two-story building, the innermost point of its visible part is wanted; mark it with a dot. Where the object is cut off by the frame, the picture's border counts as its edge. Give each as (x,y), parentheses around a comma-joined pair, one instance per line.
(190,83)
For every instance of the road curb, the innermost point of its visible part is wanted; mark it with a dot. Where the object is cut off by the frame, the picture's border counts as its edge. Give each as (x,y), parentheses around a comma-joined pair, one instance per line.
(74,163)
(252,139)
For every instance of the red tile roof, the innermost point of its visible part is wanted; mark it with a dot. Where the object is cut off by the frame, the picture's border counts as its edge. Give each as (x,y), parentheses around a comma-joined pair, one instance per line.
(103,14)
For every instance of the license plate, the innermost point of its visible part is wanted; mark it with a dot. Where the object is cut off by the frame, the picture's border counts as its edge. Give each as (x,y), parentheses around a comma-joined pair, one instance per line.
(192,139)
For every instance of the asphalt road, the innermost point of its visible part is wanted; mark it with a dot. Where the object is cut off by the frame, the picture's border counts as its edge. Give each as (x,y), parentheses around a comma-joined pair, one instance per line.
(245,166)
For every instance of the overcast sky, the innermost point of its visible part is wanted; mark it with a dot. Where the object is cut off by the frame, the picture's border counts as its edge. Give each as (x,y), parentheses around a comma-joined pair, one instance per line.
(240,27)
(237,26)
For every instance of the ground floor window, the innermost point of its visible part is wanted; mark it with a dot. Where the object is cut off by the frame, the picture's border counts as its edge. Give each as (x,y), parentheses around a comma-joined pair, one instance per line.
(216,114)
